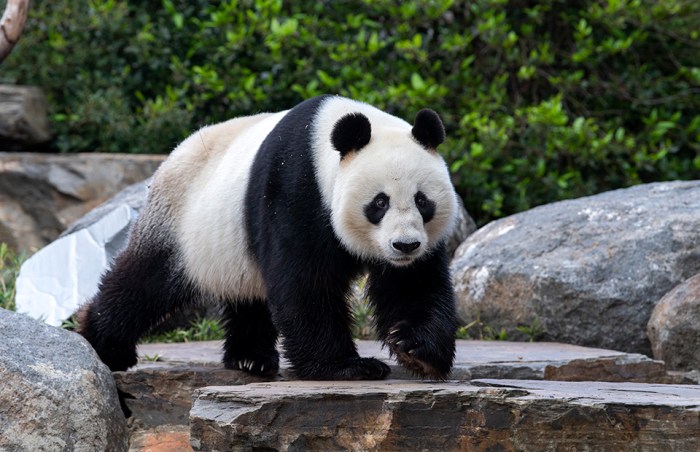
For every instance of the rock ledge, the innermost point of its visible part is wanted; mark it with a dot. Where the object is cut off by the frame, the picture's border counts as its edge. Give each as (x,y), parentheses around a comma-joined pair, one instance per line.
(499,414)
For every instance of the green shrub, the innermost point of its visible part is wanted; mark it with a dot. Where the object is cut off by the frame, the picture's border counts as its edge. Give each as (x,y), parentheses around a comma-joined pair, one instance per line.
(543,100)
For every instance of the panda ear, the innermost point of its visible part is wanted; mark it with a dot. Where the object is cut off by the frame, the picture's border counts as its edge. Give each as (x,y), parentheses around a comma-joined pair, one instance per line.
(428,129)
(351,133)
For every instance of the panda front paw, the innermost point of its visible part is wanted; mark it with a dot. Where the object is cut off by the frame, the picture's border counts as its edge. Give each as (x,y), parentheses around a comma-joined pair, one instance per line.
(259,366)
(424,354)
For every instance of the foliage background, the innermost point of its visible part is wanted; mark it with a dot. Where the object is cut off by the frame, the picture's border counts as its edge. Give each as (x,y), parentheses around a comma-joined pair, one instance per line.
(543,100)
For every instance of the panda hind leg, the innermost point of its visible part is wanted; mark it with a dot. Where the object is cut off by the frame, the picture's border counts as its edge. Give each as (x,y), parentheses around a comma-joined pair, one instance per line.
(137,294)
(251,338)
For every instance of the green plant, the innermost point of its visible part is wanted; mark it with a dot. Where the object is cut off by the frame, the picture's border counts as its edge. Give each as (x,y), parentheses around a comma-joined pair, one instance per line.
(477,329)
(199,330)
(491,334)
(362,312)
(534,331)
(10,262)
(70,323)
(152,358)
(543,100)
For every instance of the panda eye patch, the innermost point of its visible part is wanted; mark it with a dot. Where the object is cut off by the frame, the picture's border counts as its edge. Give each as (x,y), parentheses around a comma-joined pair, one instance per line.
(425,206)
(375,210)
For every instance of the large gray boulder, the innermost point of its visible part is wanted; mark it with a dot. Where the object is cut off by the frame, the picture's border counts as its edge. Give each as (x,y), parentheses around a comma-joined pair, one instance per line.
(55,393)
(674,326)
(590,270)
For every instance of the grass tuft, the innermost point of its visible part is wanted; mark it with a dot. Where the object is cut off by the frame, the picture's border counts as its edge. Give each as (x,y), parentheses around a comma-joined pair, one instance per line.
(10,262)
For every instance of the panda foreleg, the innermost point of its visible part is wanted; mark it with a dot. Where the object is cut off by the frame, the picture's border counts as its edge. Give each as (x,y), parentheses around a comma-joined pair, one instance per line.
(415,314)
(135,295)
(314,321)
(251,338)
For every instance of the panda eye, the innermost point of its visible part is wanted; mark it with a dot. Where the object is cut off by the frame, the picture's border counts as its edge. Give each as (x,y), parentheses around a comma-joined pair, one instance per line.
(420,200)
(381,202)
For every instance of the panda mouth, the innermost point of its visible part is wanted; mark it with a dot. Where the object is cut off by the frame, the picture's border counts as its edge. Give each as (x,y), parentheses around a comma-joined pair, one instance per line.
(401,260)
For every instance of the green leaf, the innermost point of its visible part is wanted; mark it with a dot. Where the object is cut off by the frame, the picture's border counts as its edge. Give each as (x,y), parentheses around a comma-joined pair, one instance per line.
(417,82)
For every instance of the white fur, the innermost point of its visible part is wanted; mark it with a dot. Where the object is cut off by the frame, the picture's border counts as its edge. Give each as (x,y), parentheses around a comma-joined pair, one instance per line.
(393,163)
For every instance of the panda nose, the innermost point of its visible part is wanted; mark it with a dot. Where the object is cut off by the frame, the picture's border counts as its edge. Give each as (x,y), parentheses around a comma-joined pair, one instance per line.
(406,247)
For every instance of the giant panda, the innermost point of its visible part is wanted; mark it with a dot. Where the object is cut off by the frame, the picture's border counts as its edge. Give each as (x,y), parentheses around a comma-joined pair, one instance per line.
(274,215)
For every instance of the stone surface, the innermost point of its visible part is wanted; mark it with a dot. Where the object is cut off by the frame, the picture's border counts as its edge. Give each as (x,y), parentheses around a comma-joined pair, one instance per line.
(590,270)
(55,393)
(41,194)
(159,392)
(474,359)
(674,326)
(485,415)
(162,395)
(24,120)
(165,438)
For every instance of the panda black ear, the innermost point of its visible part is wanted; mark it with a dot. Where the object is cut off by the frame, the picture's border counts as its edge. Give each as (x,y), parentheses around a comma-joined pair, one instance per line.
(351,133)
(428,129)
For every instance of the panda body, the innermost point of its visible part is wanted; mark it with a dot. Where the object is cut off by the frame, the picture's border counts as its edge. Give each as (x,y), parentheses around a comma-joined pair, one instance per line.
(274,215)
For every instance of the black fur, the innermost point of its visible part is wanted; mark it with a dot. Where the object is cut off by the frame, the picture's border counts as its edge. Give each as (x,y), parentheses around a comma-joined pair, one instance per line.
(306,270)
(352,132)
(428,129)
(141,290)
(251,338)
(415,313)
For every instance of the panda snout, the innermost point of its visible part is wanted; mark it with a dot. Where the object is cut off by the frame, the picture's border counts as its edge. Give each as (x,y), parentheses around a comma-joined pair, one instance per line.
(404,247)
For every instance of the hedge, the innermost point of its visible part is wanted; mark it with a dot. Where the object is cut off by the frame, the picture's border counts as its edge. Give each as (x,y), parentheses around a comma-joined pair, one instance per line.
(543,100)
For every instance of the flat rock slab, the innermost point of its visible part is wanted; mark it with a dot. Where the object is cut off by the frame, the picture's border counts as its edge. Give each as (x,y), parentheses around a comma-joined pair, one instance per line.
(475,359)
(160,392)
(484,415)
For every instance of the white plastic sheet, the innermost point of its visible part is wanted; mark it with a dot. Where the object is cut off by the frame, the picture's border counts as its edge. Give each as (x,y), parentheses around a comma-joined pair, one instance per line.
(55,281)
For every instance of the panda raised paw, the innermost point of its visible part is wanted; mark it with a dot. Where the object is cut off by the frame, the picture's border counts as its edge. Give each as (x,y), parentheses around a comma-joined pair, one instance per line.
(410,348)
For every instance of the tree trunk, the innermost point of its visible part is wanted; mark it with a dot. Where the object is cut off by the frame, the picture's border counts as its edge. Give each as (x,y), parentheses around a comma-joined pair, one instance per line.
(11,25)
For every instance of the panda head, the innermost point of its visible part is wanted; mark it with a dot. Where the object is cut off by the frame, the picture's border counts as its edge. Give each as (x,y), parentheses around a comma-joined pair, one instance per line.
(392,198)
